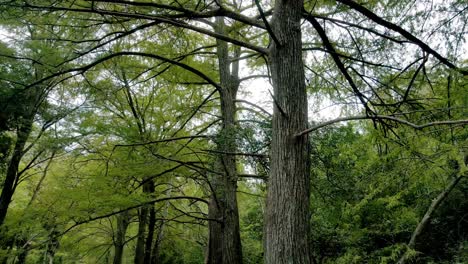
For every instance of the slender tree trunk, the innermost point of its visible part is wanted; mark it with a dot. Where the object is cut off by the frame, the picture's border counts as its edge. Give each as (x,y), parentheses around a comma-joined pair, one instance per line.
(119,243)
(287,216)
(151,227)
(140,245)
(32,99)
(11,176)
(157,243)
(224,245)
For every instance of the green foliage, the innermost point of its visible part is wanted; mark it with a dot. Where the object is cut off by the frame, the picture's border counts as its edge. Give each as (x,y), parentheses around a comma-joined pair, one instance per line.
(104,129)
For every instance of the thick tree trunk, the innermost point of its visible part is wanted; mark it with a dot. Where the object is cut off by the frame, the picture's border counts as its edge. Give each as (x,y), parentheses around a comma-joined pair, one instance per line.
(224,245)
(287,216)
(119,242)
(214,252)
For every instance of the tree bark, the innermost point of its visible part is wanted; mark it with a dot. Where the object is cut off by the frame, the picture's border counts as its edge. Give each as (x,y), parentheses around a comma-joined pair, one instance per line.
(224,245)
(140,245)
(287,215)
(119,242)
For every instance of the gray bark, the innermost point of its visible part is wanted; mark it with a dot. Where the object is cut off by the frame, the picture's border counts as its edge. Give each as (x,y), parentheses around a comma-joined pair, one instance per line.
(224,245)
(287,214)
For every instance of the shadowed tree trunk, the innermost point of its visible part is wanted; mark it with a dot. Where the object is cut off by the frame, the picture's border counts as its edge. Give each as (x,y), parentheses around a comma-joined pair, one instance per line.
(287,213)
(119,242)
(140,245)
(157,243)
(24,129)
(151,227)
(224,245)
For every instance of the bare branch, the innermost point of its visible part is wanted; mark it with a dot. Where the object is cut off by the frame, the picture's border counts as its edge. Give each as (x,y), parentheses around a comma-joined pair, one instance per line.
(267,25)
(90,219)
(161,141)
(383,117)
(379,20)
(338,62)
(160,19)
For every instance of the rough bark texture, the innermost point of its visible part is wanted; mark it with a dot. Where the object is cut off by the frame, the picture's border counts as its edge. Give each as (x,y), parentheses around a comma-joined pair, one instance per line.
(214,252)
(224,244)
(287,216)
(119,241)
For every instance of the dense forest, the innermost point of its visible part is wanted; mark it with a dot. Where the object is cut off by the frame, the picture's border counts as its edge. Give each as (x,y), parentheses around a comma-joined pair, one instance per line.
(231,131)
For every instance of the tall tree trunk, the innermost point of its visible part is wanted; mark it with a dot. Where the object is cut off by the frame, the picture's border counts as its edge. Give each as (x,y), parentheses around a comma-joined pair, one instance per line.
(224,244)
(119,242)
(151,227)
(140,245)
(157,243)
(214,252)
(287,216)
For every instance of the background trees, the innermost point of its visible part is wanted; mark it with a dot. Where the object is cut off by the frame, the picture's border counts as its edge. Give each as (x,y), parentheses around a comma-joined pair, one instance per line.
(158,141)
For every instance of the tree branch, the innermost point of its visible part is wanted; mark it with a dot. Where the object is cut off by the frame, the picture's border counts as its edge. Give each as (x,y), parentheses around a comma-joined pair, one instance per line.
(267,25)
(379,20)
(336,58)
(161,141)
(383,117)
(90,219)
(160,19)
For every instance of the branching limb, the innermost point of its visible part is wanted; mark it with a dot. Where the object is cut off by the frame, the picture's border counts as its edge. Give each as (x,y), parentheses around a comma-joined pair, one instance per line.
(267,25)
(379,20)
(384,117)
(161,141)
(169,21)
(116,212)
(338,62)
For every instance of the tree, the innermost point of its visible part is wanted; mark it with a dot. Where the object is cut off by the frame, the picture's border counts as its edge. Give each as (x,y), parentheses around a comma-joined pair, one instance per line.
(358,59)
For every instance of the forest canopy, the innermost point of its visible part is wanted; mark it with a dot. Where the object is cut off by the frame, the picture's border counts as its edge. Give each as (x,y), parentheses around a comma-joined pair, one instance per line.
(230,131)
